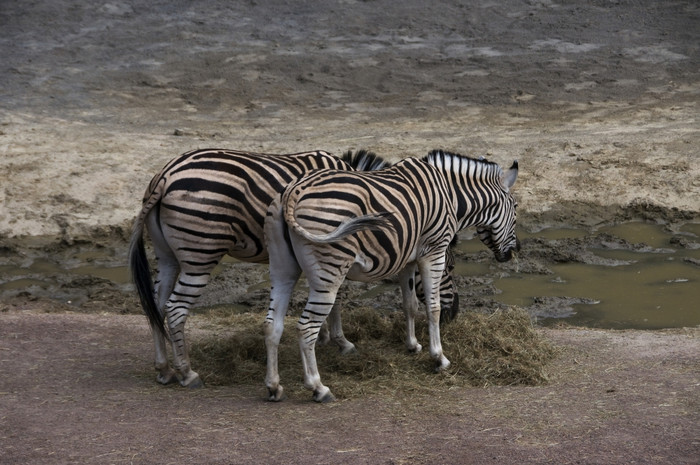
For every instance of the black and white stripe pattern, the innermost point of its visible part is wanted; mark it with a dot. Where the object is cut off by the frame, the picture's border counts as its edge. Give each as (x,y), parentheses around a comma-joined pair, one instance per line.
(449,296)
(370,225)
(201,206)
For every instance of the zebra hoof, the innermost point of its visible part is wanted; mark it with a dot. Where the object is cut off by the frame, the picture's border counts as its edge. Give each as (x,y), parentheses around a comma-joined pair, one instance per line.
(196,384)
(441,365)
(192,381)
(416,349)
(348,350)
(166,378)
(276,395)
(323,398)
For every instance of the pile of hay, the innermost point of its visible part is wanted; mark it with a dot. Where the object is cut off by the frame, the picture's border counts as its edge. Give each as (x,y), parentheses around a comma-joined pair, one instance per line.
(498,349)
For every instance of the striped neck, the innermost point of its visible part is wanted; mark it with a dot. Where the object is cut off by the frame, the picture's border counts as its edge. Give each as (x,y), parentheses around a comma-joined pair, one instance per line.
(475,185)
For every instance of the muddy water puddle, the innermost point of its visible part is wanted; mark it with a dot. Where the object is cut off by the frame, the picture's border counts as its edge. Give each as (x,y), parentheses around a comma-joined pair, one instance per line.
(631,275)
(651,293)
(71,275)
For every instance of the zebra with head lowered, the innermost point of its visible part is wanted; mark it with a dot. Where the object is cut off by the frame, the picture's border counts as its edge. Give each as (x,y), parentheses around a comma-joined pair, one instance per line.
(369,225)
(201,206)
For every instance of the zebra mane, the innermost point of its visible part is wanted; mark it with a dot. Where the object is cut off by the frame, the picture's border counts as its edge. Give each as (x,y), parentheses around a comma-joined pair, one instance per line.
(363,160)
(443,159)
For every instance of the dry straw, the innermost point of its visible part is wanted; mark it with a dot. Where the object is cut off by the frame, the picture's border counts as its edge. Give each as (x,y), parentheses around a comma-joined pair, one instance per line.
(502,348)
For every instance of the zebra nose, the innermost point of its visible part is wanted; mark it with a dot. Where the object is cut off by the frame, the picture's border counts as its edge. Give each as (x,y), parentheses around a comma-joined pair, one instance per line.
(505,256)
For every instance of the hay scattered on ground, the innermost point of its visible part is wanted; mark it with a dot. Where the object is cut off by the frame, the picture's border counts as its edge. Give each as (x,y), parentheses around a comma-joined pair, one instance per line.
(502,348)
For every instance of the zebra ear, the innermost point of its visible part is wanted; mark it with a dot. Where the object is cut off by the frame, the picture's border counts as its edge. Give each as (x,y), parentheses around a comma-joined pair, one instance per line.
(508,178)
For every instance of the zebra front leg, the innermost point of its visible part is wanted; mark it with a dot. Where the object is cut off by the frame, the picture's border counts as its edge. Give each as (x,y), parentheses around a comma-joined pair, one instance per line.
(335,329)
(431,270)
(317,309)
(410,305)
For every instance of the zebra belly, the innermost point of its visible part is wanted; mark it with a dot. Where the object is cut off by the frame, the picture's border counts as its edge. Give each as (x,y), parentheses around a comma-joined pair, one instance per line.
(364,268)
(358,273)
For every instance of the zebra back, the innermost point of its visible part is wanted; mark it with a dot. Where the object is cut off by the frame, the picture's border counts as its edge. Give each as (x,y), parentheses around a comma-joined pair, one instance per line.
(412,197)
(219,197)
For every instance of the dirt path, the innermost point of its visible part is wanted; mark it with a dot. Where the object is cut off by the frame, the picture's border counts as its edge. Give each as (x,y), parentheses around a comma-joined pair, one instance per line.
(81,391)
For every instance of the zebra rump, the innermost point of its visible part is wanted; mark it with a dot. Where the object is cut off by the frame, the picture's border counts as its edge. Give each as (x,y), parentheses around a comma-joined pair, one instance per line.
(346,228)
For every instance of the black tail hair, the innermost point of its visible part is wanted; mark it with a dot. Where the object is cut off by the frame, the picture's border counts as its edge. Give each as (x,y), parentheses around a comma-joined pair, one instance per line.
(141,275)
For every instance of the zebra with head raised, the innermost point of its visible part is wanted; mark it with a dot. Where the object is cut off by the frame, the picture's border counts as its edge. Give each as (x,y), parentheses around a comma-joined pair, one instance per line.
(369,225)
(201,206)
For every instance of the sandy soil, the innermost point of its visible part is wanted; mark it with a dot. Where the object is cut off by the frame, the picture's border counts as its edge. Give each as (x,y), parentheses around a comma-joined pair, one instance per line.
(597,100)
(616,398)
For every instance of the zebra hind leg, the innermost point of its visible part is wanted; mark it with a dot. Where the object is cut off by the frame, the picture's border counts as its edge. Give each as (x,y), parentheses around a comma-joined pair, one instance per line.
(283,280)
(184,295)
(317,309)
(165,281)
(431,268)
(273,328)
(166,274)
(324,336)
(284,273)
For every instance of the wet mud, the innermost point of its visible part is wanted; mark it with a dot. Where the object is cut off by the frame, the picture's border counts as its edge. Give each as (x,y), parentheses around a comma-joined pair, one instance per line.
(633,274)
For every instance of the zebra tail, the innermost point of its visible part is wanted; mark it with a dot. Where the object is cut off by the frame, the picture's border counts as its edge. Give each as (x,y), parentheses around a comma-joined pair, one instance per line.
(346,228)
(141,275)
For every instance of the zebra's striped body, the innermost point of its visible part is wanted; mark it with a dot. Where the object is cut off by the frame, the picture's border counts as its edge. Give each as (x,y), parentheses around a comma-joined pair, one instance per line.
(370,225)
(201,206)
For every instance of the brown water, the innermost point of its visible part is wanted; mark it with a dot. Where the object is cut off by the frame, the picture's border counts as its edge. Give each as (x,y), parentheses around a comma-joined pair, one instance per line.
(653,292)
(633,275)
(646,282)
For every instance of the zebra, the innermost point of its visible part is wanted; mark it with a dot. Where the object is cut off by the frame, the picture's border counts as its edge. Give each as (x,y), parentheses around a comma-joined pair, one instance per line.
(201,206)
(449,297)
(369,225)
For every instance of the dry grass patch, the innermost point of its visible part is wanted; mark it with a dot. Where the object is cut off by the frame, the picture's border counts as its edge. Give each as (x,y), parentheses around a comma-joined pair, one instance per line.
(502,349)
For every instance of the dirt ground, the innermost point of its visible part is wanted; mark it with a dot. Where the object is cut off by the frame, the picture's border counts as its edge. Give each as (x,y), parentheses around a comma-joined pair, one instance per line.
(81,391)
(597,100)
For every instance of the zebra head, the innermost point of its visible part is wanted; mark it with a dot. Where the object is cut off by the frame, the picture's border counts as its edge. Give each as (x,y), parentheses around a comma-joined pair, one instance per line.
(497,231)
